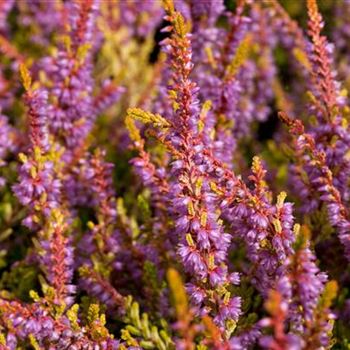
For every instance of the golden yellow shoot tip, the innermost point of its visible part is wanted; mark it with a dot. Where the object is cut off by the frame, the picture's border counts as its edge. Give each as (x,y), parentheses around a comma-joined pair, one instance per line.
(25,76)
(178,292)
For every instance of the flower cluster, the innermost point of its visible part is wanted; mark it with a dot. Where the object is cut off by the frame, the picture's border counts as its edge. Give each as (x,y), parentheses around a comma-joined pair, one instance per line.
(174,174)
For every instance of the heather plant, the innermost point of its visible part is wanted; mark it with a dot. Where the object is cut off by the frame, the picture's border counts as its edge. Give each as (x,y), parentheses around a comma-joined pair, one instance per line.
(174,174)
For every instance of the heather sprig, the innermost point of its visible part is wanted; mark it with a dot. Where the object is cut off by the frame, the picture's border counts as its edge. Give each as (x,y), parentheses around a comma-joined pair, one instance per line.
(70,81)
(39,186)
(70,72)
(100,242)
(56,258)
(321,178)
(196,226)
(328,103)
(324,78)
(296,302)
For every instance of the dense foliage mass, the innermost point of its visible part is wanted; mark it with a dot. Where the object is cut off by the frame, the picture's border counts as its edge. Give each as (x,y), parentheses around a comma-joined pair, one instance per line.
(174,174)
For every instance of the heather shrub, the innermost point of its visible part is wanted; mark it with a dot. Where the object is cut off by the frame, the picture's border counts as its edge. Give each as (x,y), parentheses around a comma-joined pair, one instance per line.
(174,174)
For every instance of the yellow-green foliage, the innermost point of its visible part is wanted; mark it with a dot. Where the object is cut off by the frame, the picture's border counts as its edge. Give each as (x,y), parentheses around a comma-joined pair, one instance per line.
(239,58)
(147,335)
(147,117)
